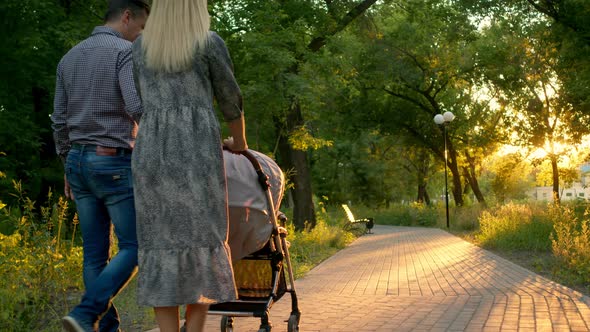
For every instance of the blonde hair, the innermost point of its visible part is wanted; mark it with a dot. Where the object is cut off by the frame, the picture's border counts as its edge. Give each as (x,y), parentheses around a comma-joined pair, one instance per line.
(174,31)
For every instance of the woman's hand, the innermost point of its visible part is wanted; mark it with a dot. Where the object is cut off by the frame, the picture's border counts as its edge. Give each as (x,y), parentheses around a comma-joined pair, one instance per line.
(235,146)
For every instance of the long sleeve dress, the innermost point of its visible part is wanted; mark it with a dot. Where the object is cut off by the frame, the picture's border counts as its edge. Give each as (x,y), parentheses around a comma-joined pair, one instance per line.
(179,179)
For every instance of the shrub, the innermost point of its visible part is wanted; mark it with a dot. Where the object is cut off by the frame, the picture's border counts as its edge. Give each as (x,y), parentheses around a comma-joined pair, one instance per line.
(570,241)
(513,227)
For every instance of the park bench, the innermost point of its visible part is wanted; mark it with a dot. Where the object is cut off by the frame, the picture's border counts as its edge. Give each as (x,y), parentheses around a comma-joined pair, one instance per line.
(368,222)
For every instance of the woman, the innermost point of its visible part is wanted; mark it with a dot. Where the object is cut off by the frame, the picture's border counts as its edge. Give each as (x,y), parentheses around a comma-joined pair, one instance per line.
(179,178)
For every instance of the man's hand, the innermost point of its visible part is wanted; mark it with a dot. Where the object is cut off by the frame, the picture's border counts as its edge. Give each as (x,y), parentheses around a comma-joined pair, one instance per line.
(67,190)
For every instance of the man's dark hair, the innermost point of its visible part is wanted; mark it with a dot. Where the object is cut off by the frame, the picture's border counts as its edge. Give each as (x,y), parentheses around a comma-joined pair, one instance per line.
(117,7)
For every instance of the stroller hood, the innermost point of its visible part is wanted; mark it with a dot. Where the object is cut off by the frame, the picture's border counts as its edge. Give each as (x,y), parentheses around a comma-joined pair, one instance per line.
(242,181)
(250,223)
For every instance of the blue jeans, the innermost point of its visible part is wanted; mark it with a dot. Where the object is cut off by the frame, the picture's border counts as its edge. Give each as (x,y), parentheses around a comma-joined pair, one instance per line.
(103,191)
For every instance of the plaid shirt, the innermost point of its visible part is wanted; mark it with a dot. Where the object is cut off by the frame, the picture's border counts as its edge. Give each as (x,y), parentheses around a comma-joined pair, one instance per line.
(95,97)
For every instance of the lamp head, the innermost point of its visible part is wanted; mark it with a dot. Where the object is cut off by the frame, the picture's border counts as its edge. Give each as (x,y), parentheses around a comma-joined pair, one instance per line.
(439,119)
(448,116)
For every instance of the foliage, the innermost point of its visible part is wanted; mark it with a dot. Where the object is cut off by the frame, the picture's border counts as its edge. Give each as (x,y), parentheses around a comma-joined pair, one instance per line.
(514,227)
(571,240)
(377,167)
(413,214)
(39,32)
(301,139)
(507,176)
(39,266)
(420,62)
(530,85)
(568,174)
(278,47)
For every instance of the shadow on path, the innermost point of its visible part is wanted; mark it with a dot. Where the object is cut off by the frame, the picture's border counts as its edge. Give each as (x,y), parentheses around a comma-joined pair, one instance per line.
(424,279)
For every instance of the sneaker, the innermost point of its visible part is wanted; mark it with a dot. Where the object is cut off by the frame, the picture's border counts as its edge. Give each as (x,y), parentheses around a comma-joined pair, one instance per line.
(70,324)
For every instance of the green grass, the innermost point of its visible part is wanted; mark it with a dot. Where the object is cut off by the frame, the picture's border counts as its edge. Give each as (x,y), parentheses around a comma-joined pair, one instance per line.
(551,240)
(421,215)
(133,316)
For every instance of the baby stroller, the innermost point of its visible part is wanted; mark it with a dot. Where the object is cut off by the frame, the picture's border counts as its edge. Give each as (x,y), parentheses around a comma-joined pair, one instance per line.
(259,248)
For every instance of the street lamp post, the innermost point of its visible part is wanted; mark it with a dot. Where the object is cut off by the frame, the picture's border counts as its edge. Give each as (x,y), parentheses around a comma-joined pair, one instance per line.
(444,119)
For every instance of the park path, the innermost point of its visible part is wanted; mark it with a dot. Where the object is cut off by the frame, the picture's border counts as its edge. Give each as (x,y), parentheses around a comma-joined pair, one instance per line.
(424,279)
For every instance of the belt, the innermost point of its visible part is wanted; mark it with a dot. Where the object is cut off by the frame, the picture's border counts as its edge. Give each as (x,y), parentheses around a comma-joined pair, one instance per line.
(102,150)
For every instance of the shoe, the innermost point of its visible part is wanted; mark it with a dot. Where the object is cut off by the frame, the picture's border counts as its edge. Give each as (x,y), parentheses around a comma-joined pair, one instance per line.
(70,324)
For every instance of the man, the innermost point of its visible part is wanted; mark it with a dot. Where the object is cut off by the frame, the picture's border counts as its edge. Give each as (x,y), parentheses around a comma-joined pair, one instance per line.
(96,111)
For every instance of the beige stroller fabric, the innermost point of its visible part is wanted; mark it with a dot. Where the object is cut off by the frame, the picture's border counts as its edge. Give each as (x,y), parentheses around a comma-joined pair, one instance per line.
(250,223)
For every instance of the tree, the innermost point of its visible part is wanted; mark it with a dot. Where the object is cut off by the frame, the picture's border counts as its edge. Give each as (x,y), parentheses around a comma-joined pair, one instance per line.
(423,61)
(571,30)
(539,112)
(37,34)
(298,31)
(565,24)
(509,176)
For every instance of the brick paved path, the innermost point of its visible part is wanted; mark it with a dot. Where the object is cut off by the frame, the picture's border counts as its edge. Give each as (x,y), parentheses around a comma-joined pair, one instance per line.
(421,279)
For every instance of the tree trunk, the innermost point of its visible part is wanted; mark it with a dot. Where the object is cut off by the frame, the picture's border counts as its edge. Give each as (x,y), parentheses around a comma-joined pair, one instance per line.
(422,175)
(471,177)
(456,176)
(556,198)
(296,160)
(423,194)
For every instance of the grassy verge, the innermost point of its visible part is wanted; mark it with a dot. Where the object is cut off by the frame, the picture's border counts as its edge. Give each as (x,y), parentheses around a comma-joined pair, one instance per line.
(41,263)
(553,241)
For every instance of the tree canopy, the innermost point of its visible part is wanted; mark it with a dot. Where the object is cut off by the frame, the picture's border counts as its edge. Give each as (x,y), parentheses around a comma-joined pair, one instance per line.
(343,92)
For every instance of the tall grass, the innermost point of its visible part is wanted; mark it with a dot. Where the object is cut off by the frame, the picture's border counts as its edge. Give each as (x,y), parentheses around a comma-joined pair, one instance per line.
(413,214)
(37,266)
(311,246)
(515,227)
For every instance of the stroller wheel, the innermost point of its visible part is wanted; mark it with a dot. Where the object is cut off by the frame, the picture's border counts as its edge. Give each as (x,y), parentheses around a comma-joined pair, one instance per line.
(227,324)
(293,323)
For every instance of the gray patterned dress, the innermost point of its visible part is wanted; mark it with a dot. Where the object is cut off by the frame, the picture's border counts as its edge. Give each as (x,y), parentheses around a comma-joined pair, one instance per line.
(179,180)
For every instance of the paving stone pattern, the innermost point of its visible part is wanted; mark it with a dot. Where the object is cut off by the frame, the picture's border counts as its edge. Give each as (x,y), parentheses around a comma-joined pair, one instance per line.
(423,279)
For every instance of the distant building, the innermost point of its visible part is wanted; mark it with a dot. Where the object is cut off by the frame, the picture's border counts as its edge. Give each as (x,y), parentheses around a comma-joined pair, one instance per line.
(578,190)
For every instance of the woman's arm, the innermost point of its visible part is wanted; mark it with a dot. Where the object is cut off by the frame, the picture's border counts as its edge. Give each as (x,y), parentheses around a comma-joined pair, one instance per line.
(237,142)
